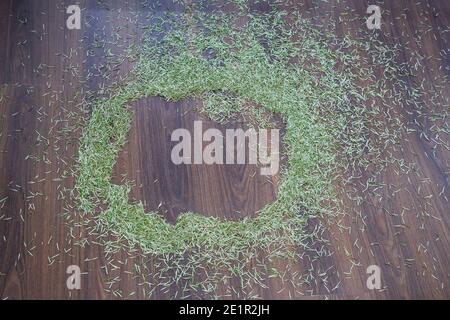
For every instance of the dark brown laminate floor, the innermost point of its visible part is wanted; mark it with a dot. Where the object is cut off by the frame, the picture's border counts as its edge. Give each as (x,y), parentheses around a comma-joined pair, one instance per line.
(403,228)
(230,191)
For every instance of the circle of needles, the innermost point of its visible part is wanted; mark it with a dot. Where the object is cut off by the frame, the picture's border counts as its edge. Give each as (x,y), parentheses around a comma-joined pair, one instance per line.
(320,85)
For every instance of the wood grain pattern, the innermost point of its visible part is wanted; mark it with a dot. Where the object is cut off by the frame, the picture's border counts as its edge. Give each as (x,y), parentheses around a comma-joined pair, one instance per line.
(230,191)
(404,229)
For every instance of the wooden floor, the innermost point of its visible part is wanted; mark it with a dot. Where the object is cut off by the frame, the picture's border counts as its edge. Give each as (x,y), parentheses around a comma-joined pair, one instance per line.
(231,191)
(46,69)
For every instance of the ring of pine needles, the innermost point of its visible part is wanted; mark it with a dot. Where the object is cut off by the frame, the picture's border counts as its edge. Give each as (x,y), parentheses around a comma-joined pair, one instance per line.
(289,68)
